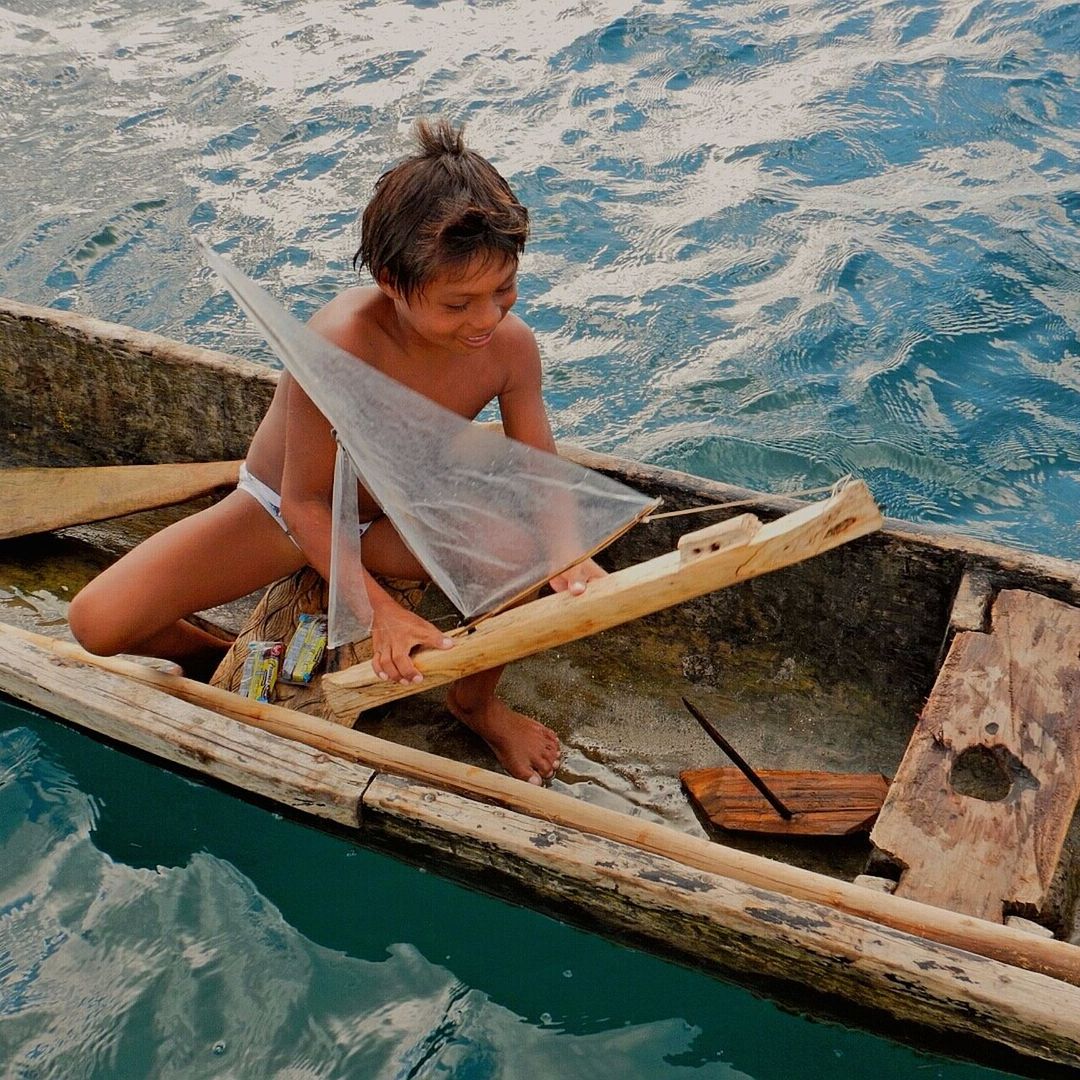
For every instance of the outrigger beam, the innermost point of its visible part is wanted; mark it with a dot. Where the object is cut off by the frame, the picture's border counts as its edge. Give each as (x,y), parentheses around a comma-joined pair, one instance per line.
(706,560)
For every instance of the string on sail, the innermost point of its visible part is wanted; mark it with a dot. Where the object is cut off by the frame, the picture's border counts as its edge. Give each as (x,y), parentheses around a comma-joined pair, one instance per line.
(490,519)
(833,489)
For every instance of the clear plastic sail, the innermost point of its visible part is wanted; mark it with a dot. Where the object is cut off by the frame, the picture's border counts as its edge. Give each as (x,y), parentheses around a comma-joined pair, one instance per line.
(490,519)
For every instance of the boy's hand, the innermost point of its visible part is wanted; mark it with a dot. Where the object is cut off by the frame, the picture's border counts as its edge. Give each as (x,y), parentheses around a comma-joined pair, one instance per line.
(395,633)
(577,577)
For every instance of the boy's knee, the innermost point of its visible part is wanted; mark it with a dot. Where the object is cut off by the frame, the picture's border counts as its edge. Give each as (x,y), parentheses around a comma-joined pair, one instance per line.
(91,625)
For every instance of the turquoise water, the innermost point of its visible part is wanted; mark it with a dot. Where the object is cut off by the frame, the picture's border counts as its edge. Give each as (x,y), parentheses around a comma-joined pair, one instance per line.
(152,927)
(773,244)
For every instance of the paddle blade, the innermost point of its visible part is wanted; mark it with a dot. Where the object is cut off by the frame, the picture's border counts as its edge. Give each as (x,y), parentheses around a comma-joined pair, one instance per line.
(39,500)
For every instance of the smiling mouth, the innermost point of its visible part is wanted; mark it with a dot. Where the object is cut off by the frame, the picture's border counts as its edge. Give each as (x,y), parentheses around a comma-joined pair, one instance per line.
(479,339)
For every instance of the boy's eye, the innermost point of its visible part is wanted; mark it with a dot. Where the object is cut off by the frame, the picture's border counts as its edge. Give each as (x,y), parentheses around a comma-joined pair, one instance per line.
(456,307)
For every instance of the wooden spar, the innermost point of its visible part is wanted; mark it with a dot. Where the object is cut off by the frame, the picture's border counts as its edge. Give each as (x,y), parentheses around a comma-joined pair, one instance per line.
(26,660)
(39,500)
(735,553)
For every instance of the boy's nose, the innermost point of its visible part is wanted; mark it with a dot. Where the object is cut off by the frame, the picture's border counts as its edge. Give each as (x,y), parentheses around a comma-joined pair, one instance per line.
(487,318)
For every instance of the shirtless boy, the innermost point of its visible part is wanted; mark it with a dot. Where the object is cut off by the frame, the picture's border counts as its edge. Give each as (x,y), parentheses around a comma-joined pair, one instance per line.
(441,237)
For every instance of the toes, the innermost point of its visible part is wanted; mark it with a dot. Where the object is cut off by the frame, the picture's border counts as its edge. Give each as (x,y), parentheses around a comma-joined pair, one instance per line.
(549,770)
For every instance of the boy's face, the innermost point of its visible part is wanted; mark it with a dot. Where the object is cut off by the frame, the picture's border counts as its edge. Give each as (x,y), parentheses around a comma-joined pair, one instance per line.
(459,309)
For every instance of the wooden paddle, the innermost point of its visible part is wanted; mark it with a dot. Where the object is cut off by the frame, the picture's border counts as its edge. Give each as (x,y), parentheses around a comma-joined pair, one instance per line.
(38,500)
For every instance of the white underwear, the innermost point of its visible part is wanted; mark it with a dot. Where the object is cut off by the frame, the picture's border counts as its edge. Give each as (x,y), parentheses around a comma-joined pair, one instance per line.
(263,494)
(270,500)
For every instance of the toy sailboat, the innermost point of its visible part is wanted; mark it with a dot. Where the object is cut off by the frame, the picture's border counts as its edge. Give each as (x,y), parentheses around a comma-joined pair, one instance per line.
(489,518)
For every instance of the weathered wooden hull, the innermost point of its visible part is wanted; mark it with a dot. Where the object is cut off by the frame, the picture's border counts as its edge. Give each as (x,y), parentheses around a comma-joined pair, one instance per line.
(832,658)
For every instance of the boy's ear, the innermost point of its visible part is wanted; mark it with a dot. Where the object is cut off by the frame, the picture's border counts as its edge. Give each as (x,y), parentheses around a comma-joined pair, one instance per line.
(387,289)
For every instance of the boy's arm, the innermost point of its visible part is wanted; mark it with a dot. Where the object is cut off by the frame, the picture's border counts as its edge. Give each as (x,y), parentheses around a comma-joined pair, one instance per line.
(307,487)
(307,478)
(524,418)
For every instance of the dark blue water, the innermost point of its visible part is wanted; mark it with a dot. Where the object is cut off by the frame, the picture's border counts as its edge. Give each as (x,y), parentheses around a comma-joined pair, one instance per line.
(773,244)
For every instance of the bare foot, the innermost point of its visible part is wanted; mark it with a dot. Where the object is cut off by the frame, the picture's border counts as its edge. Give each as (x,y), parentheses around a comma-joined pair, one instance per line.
(526,749)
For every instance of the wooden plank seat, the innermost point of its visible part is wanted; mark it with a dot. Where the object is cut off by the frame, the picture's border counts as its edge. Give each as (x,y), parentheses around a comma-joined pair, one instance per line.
(979,811)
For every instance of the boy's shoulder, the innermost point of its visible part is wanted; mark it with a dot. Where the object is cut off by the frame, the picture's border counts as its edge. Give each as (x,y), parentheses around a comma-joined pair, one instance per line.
(516,332)
(351,316)
(359,301)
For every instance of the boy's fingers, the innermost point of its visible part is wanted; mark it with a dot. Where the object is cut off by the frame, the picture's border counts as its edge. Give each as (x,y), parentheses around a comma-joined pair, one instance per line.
(570,583)
(394,662)
(403,670)
(384,664)
(576,579)
(407,670)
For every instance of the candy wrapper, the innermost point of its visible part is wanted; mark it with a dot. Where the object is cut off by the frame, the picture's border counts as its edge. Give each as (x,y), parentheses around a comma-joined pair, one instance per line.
(305,650)
(261,667)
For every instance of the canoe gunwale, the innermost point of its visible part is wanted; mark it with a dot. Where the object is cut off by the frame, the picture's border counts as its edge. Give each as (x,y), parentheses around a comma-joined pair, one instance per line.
(202,365)
(1007,567)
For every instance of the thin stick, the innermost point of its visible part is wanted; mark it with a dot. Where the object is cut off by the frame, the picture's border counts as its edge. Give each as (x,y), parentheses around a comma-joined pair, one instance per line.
(755,501)
(731,752)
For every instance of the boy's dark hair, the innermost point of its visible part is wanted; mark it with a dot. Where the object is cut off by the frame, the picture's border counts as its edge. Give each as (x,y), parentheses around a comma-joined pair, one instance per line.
(439,208)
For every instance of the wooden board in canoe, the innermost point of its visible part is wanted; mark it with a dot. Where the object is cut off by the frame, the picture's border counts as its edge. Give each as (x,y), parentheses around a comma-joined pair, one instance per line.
(822,665)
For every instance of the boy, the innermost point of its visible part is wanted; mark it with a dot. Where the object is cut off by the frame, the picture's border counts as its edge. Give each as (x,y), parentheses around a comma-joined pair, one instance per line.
(441,236)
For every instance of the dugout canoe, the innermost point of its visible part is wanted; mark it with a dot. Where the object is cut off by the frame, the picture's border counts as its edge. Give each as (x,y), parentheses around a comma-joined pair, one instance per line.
(881,656)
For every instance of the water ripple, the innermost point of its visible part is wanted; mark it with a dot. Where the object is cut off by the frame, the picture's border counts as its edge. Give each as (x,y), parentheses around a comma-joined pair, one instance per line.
(108,970)
(854,221)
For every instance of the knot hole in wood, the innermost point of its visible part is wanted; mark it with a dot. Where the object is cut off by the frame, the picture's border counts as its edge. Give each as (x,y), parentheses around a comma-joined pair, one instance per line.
(989,774)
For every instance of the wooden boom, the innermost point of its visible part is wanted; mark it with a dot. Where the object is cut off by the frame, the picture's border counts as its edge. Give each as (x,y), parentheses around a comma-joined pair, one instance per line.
(706,560)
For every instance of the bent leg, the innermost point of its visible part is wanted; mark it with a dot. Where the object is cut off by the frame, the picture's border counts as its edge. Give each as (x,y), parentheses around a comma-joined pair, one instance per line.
(524,747)
(141,602)
(384,552)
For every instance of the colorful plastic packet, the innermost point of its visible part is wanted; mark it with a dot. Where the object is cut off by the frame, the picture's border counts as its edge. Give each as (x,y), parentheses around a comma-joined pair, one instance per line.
(305,650)
(261,666)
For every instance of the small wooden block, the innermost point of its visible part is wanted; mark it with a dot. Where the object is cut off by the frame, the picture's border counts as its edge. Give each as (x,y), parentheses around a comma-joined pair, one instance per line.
(971,605)
(877,884)
(724,534)
(1029,927)
(822,803)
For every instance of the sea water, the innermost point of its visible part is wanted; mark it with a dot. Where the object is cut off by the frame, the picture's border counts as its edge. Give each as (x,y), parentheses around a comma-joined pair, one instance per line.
(153,927)
(772,244)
